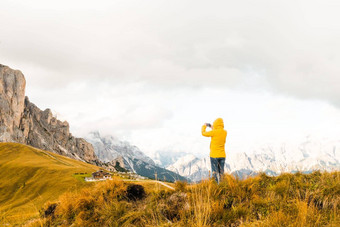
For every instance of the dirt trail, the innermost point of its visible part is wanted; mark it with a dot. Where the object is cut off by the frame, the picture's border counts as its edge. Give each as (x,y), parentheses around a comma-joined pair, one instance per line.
(155,181)
(164,184)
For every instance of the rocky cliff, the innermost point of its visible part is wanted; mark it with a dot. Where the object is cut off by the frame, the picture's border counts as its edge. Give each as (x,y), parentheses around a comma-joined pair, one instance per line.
(12,103)
(23,122)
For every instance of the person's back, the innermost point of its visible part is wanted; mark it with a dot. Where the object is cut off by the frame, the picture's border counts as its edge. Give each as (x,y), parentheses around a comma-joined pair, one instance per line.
(217,146)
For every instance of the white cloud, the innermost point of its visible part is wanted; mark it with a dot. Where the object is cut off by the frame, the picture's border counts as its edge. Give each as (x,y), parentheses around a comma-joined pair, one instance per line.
(132,67)
(294,48)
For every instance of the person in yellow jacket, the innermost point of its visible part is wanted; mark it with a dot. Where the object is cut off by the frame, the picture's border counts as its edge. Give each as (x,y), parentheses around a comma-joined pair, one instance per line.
(217,147)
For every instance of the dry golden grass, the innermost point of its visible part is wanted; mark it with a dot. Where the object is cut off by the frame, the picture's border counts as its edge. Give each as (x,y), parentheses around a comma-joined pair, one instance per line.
(286,200)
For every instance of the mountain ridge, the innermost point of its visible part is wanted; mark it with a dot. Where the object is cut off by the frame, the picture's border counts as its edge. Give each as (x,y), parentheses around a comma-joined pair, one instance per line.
(130,157)
(23,122)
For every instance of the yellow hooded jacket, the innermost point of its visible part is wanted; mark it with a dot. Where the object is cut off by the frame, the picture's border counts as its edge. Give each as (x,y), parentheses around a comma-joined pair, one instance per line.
(218,136)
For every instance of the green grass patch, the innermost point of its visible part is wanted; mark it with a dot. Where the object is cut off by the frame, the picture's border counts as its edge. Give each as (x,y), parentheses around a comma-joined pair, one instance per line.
(81,176)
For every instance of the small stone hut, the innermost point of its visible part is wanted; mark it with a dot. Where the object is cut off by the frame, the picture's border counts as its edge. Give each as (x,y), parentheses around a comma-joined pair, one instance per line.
(100,174)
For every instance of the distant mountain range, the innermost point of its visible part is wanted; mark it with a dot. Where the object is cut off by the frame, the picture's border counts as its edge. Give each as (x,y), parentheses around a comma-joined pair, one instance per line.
(167,158)
(308,156)
(130,157)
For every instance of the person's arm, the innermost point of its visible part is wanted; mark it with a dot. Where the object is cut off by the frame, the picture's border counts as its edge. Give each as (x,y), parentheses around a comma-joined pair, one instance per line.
(205,133)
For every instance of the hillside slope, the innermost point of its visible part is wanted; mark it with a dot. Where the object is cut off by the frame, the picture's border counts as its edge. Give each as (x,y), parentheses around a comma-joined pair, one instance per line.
(29,177)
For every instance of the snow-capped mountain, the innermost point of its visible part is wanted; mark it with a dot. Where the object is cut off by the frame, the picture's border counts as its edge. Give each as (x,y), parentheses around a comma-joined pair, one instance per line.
(192,167)
(130,157)
(166,158)
(306,157)
(108,148)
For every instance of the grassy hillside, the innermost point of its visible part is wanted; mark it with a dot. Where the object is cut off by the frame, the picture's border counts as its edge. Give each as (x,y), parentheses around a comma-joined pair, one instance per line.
(44,186)
(29,177)
(287,200)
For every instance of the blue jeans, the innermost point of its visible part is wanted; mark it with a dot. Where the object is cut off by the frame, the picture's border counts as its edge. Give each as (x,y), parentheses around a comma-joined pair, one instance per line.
(217,168)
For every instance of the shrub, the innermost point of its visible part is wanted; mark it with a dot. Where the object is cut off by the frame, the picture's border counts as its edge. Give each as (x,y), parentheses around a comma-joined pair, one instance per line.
(135,192)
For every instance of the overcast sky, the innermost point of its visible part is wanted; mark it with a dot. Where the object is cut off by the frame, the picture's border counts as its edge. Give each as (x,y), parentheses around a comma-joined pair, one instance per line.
(152,72)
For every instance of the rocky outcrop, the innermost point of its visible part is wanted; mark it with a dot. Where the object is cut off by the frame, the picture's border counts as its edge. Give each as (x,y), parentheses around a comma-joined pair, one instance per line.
(23,122)
(12,103)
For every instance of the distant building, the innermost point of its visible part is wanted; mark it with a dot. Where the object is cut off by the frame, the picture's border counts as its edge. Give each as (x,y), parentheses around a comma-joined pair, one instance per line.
(98,176)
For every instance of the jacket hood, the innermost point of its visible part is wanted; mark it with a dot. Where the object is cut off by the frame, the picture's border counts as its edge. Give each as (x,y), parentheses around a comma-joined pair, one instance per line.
(218,123)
